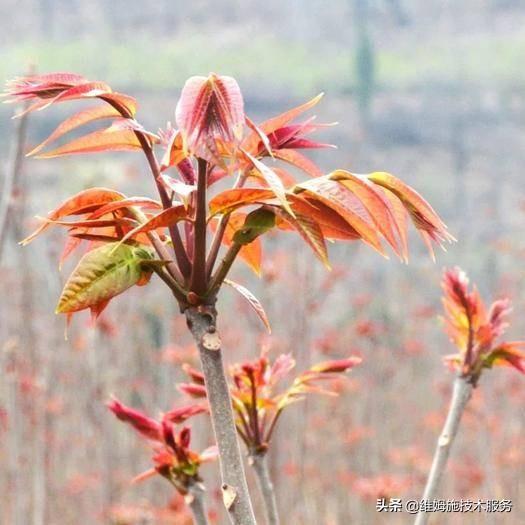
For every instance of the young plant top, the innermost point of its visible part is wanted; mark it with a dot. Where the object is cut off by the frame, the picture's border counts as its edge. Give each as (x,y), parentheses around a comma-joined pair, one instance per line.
(191,236)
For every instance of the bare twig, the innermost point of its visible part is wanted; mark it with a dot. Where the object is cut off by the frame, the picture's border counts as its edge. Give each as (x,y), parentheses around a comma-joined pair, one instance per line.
(460,397)
(201,323)
(260,466)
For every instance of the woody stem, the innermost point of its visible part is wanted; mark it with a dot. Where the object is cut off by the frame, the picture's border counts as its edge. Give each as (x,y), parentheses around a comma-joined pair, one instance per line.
(260,466)
(460,397)
(201,322)
(195,501)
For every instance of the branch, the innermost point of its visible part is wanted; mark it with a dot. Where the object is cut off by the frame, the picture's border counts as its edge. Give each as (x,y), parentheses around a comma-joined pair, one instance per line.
(260,466)
(460,397)
(199,279)
(195,500)
(201,322)
(13,173)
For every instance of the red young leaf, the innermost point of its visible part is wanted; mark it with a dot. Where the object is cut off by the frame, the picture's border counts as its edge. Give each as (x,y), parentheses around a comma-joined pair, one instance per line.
(209,108)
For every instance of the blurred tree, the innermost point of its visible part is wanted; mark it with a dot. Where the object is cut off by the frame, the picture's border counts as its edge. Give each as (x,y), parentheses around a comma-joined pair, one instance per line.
(364,62)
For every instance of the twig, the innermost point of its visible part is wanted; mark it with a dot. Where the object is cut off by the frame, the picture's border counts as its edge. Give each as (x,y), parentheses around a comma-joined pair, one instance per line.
(201,323)
(460,397)
(260,466)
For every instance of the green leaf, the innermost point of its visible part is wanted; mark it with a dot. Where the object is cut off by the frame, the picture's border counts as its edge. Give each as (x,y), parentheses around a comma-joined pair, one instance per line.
(102,274)
(256,223)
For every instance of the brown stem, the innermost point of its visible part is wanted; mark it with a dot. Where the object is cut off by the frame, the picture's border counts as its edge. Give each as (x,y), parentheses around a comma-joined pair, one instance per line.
(201,322)
(178,246)
(221,229)
(224,268)
(260,466)
(199,279)
(13,173)
(460,397)
(216,244)
(255,413)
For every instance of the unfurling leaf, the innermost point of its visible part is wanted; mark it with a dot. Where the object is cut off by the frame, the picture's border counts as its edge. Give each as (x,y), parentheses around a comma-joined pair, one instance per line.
(254,302)
(256,223)
(102,274)
(210,108)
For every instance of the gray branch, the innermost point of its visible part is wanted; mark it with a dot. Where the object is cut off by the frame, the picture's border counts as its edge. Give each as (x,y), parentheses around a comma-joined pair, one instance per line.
(195,500)
(260,466)
(460,397)
(201,322)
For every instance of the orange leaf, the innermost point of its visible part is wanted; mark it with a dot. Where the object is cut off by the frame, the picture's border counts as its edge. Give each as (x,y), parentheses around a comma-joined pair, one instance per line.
(76,120)
(377,206)
(140,202)
(164,219)
(298,160)
(426,220)
(254,302)
(310,231)
(83,202)
(332,224)
(346,204)
(105,140)
(228,200)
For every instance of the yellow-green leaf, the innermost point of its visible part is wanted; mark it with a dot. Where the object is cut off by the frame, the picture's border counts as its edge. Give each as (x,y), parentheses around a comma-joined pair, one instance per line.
(102,274)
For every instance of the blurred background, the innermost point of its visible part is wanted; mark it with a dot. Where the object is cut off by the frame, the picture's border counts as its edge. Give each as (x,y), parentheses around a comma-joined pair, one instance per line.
(433,92)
